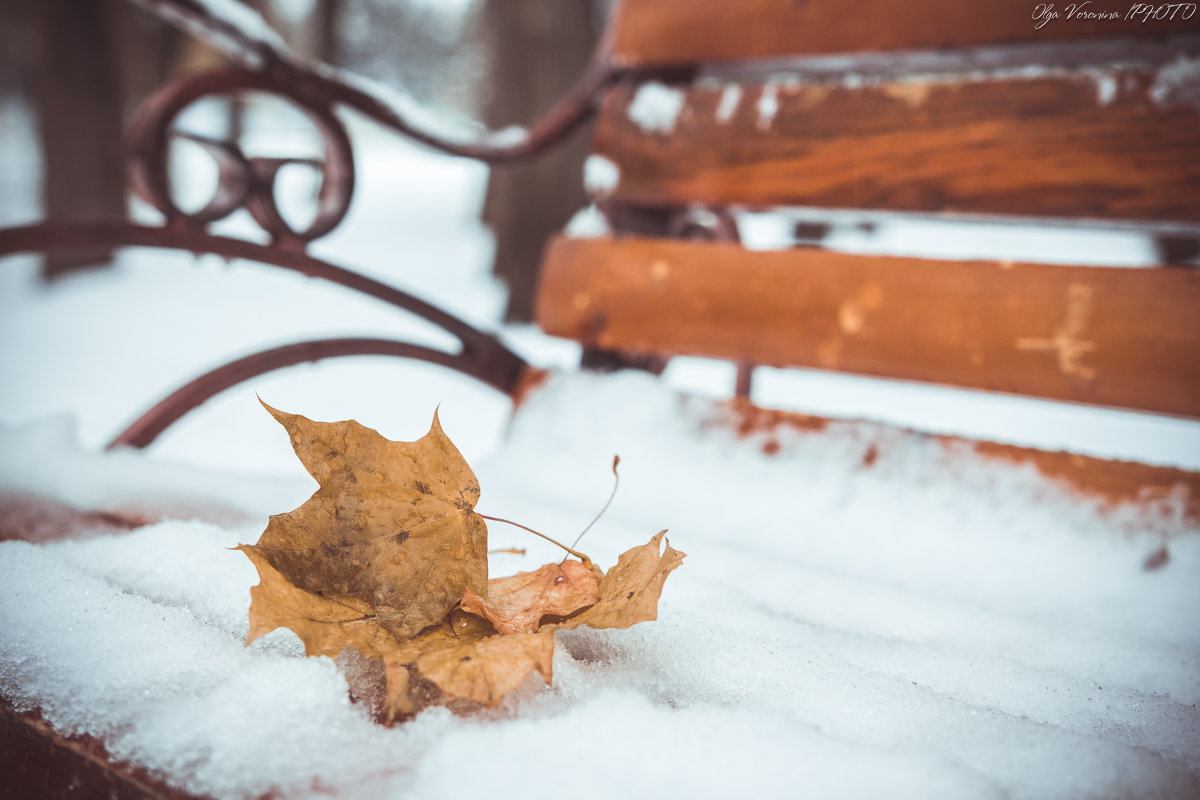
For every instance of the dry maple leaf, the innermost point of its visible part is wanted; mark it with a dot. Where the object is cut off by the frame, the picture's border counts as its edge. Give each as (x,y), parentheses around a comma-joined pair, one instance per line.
(326,625)
(389,557)
(516,604)
(391,533)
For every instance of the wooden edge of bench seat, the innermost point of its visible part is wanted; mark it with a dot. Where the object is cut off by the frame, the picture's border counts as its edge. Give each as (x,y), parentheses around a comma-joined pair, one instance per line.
(1113,143)
(1168,493)
(674,32)
(36,761)
(1120,337)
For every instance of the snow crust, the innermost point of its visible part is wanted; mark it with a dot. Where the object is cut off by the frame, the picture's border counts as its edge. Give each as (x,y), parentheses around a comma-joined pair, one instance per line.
(731,96)
(1178,82)
(767,106)
(245,20)
(588,223)
(656,107)
(600,175)
(237,24)
(928,627)
(992,239)
(423,120)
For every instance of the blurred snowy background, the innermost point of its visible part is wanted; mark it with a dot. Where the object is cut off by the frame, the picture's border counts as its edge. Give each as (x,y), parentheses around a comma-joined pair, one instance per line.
(928,628)
(101,345)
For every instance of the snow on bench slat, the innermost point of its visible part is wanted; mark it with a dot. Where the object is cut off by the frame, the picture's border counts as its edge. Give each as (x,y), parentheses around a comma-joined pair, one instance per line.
(923,628)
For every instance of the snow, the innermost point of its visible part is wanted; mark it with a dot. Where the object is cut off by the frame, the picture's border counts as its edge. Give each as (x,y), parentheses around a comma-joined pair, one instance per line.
(656,107)
(1175,79)
(928,627)
(600,175)
(245,20)
(236,24)
(1178,82)
(588,223)
(1106,88)
(731,95)
(767,106)
(426,122)
(954,237)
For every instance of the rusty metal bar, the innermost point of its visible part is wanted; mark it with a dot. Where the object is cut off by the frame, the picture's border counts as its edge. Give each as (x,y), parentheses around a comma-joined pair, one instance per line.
(482,356)
(196,392)
(271,59)
(54,237)
(245,182)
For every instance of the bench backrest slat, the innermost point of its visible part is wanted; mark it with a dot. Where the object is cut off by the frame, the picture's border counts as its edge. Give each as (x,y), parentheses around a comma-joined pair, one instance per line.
(1106,145)
(1117,337)
(672,32)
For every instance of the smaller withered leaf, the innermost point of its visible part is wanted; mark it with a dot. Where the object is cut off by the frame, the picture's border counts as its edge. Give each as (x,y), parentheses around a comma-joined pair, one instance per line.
(517,603)
(486,670)
(463,658)
(391,531)
(629,592)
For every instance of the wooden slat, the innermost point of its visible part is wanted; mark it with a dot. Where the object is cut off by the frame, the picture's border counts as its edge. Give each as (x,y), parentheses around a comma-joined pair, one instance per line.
(1169,494)
(36,761)
(1121,146)
(1117,337)
(672,32)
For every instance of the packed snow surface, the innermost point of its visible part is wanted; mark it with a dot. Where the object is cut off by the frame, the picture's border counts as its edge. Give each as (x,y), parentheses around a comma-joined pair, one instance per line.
(656,107)
(925,627)
(731,95)
(600,175)
(588,223)
(922,628)
(767,106)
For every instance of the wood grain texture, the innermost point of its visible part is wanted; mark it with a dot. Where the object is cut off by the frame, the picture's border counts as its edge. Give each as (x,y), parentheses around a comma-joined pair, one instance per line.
(1124,145)
(1160,494)
(1128,338)
(35,762)
(671,32)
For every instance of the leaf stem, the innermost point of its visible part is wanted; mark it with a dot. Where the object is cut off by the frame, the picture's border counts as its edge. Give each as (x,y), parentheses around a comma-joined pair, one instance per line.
(616,485)
(587,562)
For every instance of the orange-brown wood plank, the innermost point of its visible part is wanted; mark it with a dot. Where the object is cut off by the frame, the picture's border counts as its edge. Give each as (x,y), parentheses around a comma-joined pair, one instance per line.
(662,32)
(36,761)
(1128,338)
(1123,145)
(1167,493)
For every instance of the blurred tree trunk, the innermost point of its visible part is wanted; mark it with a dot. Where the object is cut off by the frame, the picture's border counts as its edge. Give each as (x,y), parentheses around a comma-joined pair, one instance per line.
(93,63)
(78,97)
(327,16)
(540,47)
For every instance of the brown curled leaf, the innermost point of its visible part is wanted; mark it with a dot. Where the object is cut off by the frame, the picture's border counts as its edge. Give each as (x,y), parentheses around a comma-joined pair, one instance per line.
(486,670)
(629,592)
(517,603)
(462,659)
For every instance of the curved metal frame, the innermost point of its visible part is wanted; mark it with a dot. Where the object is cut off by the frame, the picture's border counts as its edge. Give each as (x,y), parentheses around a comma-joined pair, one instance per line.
(481,356)
(249,182)
(198,391)
(321,82)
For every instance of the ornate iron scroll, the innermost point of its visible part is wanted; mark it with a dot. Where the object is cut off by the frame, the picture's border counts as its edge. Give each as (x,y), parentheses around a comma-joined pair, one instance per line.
(249,182)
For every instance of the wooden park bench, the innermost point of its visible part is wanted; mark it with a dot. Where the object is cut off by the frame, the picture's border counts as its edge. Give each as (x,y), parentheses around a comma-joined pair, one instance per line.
(963,112)
(709,110)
